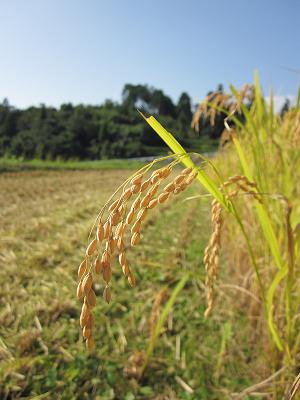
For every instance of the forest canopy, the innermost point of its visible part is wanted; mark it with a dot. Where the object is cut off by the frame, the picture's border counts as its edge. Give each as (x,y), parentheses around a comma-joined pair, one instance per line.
(109,130)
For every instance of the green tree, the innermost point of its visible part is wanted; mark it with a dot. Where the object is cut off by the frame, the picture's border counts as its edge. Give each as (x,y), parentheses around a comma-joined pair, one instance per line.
(285,108)
(184,111)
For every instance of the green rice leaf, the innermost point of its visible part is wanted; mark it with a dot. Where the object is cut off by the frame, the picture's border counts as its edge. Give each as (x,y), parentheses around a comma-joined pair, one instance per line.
(176,147)
(258,98)
(270,296)
(264,219)
(269,233)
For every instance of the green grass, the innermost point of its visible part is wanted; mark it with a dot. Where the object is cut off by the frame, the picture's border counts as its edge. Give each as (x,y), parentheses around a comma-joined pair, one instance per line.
(14,164)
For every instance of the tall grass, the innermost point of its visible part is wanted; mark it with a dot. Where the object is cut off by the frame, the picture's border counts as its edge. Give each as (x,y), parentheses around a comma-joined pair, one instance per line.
(265,149)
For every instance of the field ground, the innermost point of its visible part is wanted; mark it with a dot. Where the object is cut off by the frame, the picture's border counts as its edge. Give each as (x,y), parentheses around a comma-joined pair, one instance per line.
(45,219)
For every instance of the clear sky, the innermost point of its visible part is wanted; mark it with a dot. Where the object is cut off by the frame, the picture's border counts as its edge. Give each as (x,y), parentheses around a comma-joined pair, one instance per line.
(84,51)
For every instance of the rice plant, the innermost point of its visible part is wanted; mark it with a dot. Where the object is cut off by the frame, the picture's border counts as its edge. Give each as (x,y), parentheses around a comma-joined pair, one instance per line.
(253,184)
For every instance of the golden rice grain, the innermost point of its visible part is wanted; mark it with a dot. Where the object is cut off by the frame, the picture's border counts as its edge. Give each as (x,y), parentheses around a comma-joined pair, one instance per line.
(137,179)
(131,279)
(91,248)
(155,177)
(232,179)
(111,245)
(153,190)
(153,203)
(244,184)
(91,322)
(136,204)
(107,229)
(136,227)
(122,258)
(245,189)
(100,232)
(206,256)
(98,265)
(90,343)
(135,188)
(126,194)
(107,294)
(86,332)
(191,177)
(105,259)
(146,200)
(179,179)
(91,298)
(82,268)
(120,244)
(84,316)
(79,292)
(119,232)
(145,185)
(163,197)
(169,188)
(121,209)
(135,238)
(187,171)
(114,205)
(165,172)
(115,218)
(142,214)
(130,217)
(125,268)
(87,283)
(106,273)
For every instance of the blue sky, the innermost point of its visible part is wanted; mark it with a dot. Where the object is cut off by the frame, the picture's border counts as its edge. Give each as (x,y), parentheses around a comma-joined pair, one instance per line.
(84,51)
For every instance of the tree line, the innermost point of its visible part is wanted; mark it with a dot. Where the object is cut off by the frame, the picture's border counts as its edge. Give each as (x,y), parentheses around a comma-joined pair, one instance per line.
(109,130)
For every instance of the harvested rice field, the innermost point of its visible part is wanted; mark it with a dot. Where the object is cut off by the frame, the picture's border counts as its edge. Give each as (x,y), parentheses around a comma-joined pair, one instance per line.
(157,325)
